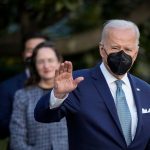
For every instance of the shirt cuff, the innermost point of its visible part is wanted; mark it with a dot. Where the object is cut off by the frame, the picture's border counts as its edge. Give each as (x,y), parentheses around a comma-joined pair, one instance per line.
(54,101)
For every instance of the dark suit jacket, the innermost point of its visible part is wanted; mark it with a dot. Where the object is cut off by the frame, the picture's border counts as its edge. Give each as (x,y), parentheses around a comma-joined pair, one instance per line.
(7,91)
(91,114)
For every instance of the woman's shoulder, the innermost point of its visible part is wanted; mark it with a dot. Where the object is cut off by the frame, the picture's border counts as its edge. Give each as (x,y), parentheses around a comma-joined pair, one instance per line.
(28,90)
(26,93)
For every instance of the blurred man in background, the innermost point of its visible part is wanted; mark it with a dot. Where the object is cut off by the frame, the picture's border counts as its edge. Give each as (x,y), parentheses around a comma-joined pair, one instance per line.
(10,86)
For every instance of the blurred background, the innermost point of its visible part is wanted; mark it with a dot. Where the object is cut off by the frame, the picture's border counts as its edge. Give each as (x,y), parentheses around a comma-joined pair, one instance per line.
(75,26)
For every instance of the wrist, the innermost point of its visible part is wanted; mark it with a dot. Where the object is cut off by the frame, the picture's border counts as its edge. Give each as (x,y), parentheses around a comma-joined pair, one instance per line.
(59,95)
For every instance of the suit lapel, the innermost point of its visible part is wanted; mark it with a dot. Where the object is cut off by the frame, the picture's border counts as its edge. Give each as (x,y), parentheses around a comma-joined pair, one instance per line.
(103,89)
(136,93)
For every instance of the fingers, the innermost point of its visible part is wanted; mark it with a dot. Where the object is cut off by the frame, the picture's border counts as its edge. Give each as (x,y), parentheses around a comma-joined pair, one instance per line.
(56,73)
(65,67)
(70,68)
(78,80)
(61,68)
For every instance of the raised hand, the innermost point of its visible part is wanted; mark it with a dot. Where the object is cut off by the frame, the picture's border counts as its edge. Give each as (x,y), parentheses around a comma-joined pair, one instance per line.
(64,82)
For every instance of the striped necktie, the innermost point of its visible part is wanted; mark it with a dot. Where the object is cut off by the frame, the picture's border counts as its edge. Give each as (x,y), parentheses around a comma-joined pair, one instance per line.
(123,112)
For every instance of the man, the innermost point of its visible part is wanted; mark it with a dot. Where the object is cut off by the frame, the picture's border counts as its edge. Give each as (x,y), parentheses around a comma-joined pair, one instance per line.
(109,109)
(10,86)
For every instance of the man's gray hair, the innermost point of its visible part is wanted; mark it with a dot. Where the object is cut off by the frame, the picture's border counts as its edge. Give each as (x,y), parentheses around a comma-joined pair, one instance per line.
(119,24)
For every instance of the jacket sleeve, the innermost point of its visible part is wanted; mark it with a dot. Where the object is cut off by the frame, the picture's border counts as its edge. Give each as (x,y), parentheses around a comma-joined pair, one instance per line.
(18,124)
(43,113)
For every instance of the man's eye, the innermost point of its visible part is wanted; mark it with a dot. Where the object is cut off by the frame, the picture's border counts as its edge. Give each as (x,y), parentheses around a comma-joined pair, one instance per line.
(128,50)
(115,48)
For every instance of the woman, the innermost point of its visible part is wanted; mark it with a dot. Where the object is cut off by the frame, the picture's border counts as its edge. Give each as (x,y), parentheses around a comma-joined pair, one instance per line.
(26,133)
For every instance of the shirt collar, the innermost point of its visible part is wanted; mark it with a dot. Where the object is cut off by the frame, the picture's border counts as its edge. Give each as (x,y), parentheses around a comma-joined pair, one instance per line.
(110,78)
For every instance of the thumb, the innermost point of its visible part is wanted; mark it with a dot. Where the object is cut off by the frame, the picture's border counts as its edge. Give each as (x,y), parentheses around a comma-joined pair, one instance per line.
(78,80)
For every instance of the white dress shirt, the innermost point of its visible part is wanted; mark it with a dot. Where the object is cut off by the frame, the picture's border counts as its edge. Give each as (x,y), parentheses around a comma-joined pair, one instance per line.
(110,79)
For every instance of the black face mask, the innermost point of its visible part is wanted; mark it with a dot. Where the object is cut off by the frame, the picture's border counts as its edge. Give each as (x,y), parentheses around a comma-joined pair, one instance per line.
(119,62)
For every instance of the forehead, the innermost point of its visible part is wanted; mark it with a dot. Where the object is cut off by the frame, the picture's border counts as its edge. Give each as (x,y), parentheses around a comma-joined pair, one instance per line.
(45,52)
(121,36)
(33,42)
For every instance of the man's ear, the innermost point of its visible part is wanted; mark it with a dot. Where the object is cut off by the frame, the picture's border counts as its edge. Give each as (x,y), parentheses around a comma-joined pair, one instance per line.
(135,56)
(101,50)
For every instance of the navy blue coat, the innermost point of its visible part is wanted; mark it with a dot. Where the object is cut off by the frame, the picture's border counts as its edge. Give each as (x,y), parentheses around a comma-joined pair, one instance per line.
(91,114)
(7,91)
